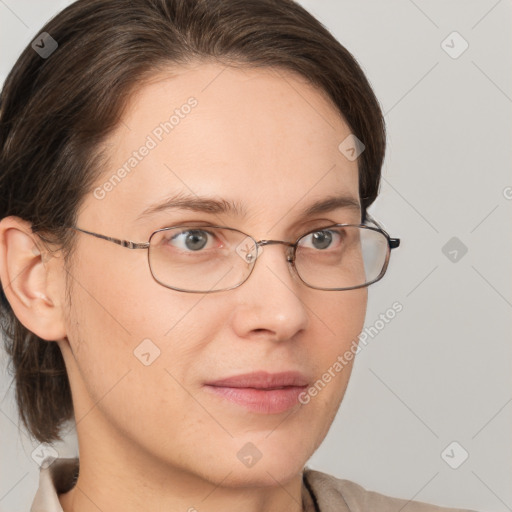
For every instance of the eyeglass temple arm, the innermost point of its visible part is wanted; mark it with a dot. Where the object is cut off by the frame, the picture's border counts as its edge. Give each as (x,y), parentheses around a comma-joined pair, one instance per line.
(124,243)
(393,242)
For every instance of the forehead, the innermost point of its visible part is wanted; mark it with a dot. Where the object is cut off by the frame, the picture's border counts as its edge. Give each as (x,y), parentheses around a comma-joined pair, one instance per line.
(264,138)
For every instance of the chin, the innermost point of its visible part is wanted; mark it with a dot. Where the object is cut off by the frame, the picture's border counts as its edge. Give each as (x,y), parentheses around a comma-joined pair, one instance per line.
(271,461)
(270,474)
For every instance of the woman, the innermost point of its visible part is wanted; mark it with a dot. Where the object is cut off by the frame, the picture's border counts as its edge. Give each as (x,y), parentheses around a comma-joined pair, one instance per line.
(186,251)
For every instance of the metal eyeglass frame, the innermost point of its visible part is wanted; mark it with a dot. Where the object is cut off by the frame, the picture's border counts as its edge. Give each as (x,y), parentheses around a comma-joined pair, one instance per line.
(393,243)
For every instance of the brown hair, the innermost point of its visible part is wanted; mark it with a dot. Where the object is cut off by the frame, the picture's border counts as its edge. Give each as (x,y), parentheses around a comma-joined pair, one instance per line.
(56,111)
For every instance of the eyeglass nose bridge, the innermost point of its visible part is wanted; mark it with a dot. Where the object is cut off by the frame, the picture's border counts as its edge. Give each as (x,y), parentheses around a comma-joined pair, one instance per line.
(290,253)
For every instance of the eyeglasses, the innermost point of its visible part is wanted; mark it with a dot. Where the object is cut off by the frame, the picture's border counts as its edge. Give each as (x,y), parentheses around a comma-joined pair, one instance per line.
(205,259)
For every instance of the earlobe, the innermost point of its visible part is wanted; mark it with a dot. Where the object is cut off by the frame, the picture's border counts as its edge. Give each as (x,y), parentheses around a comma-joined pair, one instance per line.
(24,273)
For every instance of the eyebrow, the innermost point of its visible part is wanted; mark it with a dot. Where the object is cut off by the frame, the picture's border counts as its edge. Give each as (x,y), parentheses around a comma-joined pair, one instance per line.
(237,209)
(195,204)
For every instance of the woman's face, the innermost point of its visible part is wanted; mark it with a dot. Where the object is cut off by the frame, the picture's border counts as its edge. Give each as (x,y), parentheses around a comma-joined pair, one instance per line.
(140,355)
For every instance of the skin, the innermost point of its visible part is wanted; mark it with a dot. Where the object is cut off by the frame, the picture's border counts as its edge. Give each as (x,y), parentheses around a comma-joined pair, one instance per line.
(151,437)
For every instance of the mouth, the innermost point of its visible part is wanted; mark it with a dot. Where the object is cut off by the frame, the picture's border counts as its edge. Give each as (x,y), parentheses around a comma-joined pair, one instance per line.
(261,392)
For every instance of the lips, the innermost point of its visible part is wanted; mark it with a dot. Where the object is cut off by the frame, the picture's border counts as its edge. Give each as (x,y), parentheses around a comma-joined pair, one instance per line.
(262,380)
(260,392)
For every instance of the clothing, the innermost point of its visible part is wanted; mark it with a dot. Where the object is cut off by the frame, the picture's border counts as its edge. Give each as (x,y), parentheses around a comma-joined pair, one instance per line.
(320,492)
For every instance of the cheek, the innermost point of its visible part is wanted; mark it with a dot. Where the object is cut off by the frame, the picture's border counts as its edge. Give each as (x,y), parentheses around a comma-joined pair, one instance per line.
(119,308)
(131,358)
(126,322)
(340,320)
(342,315)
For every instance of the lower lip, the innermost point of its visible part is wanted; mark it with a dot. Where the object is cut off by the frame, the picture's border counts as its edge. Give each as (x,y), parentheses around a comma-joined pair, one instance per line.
(272,401)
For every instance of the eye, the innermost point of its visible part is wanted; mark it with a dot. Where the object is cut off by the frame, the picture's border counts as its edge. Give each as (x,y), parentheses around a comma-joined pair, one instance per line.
(192,240)
(321,240)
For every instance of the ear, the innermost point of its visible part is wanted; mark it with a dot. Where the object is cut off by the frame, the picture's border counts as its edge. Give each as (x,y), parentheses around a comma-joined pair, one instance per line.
(30,278)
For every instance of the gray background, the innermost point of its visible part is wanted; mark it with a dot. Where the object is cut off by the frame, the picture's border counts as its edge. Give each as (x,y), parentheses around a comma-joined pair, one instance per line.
(440,371)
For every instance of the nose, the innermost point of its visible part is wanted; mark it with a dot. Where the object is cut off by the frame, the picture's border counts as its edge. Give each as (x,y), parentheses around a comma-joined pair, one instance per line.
(270,303)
